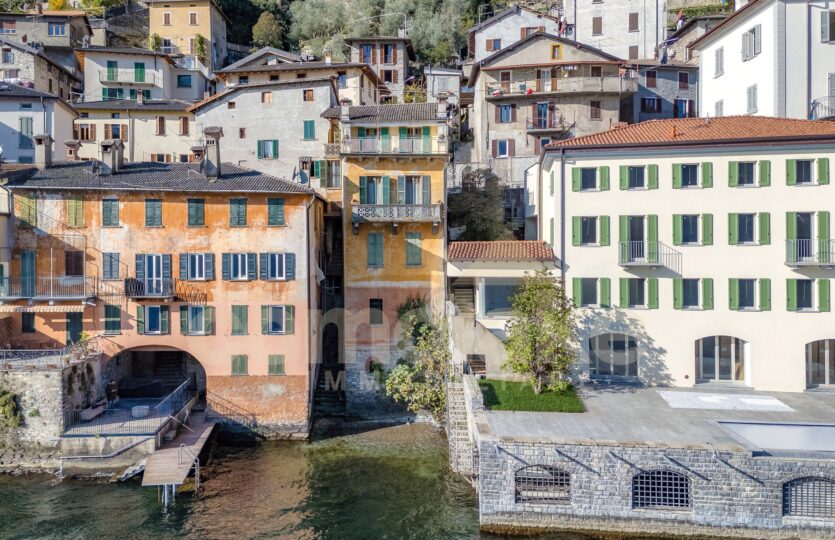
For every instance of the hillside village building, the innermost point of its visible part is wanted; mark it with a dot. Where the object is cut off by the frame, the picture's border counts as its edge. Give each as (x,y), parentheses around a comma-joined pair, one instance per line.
(506,28)
(195,29)
(628,29)
(677,46)
(24,65)
(665,90)
(388,57)
(57,32)
(27,113)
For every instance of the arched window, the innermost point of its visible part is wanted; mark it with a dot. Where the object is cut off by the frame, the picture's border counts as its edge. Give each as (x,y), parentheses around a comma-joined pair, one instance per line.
(809,497)
(820,362)
(661,490)
(543,484)
(613,355)
(720,358)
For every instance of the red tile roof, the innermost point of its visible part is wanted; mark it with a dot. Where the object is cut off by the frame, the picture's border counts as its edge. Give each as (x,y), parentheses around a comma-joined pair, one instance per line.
(685,131)
(500,250)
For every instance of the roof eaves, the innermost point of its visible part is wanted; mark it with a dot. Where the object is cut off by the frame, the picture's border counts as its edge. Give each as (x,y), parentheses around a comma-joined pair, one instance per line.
(727,23)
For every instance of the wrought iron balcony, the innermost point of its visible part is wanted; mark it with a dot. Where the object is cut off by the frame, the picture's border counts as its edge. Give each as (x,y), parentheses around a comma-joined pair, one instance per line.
(126,76)
(150,288)
(563,85)
(331,150)
(547,123)
(822,108)
(395,145)
(810,252)
(648,254)
(396,213)
(48,288)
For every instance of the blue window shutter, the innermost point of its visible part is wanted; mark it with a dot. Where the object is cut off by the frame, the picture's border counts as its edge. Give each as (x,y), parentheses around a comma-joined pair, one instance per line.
(210,265)
(290,266)
(140,267)
(386,190)
(183,266)
(251,261)
(166,266)
(401,190)
(263,266)
(426,186)
(363,189)
(317,168)
(225,267)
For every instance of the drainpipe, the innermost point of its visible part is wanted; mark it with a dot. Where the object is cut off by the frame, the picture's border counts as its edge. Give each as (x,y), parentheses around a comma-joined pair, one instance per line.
(562,215)
(307,206)
(808,61)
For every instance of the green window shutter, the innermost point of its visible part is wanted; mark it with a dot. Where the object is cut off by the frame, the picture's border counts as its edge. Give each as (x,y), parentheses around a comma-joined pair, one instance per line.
(765,294)
(623,228)
(209,320)
(765,228)
(791,225)
(426,189)
(733,229)
(605,292)
(824,243)
(164,325)
(707,293)
(265,319)
(275,211)
(603,236)
(707,229)
(240,364)
(576,225)
(823,295)
(75,211)
(427,139)
(361,132)
(677,175)
(677,236)
(707,174)
(624,177)
(652,170)
(139,71)
(575,291)
(317,168)
(112,70)
(823,171)
(604,178)
(240,320)
(765,173)
(652,302)
(733,173)
(678,291)
(652,238)
(791,294)
(624,292)
(791,172)
(183,320)
(275,148)
(260,149)
(289,319)
(576,179)
(386,189)
(276,364)
(140,319)
(413,249)
(363,189)
(551,227)
(733,294)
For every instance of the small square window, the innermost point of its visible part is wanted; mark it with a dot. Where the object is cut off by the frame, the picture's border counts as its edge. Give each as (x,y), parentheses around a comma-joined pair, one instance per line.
(588,178)
(243,79)
(803,171)
(230,105)
(242,133)
(266,97)
(307,95)
(375,315)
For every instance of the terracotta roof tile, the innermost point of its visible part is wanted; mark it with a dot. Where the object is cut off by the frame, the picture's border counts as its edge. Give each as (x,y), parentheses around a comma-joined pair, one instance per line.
(500,250)
(686,131)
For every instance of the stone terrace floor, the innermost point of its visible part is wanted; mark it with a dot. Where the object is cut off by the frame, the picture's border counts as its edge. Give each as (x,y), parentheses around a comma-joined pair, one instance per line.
(639,415)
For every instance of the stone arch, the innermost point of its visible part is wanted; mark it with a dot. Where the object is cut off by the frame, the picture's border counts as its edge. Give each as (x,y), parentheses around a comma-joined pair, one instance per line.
(809,496)
(152,370)
(661,489)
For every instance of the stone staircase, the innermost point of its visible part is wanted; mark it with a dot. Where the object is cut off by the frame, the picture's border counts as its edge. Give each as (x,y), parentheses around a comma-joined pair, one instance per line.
(329,399)
(464,300)
(460,446)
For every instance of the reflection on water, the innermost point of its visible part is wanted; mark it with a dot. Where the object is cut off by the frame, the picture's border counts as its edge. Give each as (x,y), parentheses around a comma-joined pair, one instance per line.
(386,483)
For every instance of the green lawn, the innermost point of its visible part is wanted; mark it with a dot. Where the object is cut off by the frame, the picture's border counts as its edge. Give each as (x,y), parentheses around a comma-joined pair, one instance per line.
(519,396)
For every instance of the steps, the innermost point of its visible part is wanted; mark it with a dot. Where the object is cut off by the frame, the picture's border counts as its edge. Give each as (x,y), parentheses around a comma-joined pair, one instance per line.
(170,369)
(464,300)
(329,399)
(460,446)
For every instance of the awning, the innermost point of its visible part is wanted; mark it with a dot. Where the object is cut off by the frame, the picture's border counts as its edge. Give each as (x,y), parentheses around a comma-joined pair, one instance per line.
(71,308)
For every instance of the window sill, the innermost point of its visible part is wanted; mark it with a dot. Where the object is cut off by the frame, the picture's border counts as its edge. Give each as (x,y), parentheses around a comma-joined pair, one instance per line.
(692,308)
(276,334)
(589,190)
(154,227)
(200,226)
(276,374)
(113,333)
(240,374)
(278,225)
(234,334)
(111,279)
(806,184)
(808,310)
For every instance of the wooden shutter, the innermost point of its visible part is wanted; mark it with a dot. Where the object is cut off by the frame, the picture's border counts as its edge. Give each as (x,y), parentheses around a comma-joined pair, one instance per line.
(605,293)
(394,54)
(140,319)
(603,236)
(251,265)
(576,230)
(511,147)
(576,178)
(225,266)
(652,171)
(733,229)
(823,171)
(576,291)
(494,149)
(707,293)
(677,236)
(209,320)
(765,173)
(733,294)
(140,266)
(823,295)
(210,265)
(624,292)
(183,264)
(764,228)
(108,131)
(707,174)
(733,173)
(275,364)
(512,112)
(707,229)
(289,319)
(791,294)
(791,172)
(765,294)
(184,320)
(75,211)
(604,178)
(289,266)
(164,316)
(678,292)
(624,177)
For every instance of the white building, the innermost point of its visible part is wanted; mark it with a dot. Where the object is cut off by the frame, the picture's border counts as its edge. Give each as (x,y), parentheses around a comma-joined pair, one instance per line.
(770,58)
(698,250)
(625,28)
(506,28)
(442,81)
(25,113)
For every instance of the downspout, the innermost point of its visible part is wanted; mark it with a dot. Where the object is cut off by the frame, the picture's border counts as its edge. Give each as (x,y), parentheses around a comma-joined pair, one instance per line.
(308,205)
(562,215)
(808,61)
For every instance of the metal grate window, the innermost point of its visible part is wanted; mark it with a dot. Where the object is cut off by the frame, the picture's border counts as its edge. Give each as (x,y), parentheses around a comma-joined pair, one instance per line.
(542,484)
(660,489)
(809,497)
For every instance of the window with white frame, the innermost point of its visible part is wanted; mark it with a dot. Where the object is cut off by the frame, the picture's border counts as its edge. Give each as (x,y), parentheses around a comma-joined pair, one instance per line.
(153,320)
(720,358)
(502,148)
(613,355)
(196,266)
(635,177)
(746,175)
(745,227)
(747,293)
(588,178)
(636,292)
(238,266)
(827,26)
(805,294)
(751,43)
(276,322)
(196,320)
(803,171)
(275,266)
(588,292)
(719,108)
(689,175)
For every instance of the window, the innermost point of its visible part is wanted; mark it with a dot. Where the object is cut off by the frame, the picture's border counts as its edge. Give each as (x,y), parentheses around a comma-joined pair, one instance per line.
(690,294)
(745,228)
(110,265)
(375,311)
(746,296)
(542,484)
(720,358)
(719,62)
(556,53)
(334,174)
(690,229)
(14,74)
(237,212)
(266,97)
(7,27)
(112,319)
(341,79)
(183,81)
(307,95)
(275,212)
(240,364)
(240,320)
(597,26)
(153,212)
(239,266)
(160,125)
(242,133)
(803,171)
(613,355)
(684,108)
(636,296)
(633,52)
(184,125)
(751,43)
(745,173)
(27,323)
(389,76)
(366,50)
(57,29)
(166,18)
(274,266)
(752,98)
(414,253)
(633,22)
(665,490)
(588,292)
(683,80)
(195,266)
(243,79)
(502,148)
(635,178)
(588,178)
(498,297)
(230,105)
(689,175)
(268,149)
(588,230)
(505,114)
(153,319)
(494,45)
(719,108)
(596,71)
(25,139)
(309,130)
(594,110)
(196,321)
(650,105)
(820,363)
(375,250)
(110,212)
(810,497)
(827,26)
(192,18)
(8,56)
(803,294)
(275,364)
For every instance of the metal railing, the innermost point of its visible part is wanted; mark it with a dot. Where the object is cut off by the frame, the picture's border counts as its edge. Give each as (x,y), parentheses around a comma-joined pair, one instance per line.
(48,288)
(395,145)
(643,253)
(396,212)
(332,149)
(23,359)
(810,252)
(608,84)
(822,108)
(149,288)
(126,76)
(547,122)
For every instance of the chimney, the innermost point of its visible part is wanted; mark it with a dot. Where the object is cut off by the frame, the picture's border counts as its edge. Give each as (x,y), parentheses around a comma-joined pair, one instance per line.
(443,108)
(344,110)
(43,151)
(110,156)
(211,161)
(140,97)
(328,56)
(72,149)
(39,7)
(673,131)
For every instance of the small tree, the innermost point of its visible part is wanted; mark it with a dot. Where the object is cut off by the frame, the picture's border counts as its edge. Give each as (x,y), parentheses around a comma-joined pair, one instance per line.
(155,42)
(268,31)
(541,332)
(478,207)
(59,5)
(200,48)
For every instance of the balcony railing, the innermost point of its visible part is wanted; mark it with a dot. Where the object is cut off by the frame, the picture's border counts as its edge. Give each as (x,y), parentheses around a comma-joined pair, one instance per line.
(642,253)
(48,288)
(332,150)
(551,122)
(592,85)
(822,108)
(126,76)
(810,252)
(149,288)
(396,212)
(27,359)
(395,145)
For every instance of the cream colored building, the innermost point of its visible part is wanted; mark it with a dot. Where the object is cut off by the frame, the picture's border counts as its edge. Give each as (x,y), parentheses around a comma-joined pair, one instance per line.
(698,251)
(179,23)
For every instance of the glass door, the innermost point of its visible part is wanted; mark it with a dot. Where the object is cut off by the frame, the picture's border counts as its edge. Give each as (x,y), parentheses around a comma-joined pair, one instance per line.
(27,274)
(541,115)
(153,274)
(73,328)
(636,238)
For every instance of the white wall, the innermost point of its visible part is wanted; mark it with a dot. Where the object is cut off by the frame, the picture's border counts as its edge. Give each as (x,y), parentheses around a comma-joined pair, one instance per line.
(51,118)
(508,30)
(616,37)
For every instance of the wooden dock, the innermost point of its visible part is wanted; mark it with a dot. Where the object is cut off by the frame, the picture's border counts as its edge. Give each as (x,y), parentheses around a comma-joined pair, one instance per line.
(169,465)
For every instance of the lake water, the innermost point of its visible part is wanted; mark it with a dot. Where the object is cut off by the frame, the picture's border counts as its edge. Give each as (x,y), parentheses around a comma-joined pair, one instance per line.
(390,482)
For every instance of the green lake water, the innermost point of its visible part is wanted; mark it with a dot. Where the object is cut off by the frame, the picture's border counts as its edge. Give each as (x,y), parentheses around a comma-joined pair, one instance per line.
(390,482)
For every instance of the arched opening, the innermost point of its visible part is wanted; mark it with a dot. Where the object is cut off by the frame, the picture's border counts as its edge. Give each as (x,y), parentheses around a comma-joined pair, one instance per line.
(542,484)
(661,489)
(809,497)
(820,363)
(147,374)
(721,359)
(613,355)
